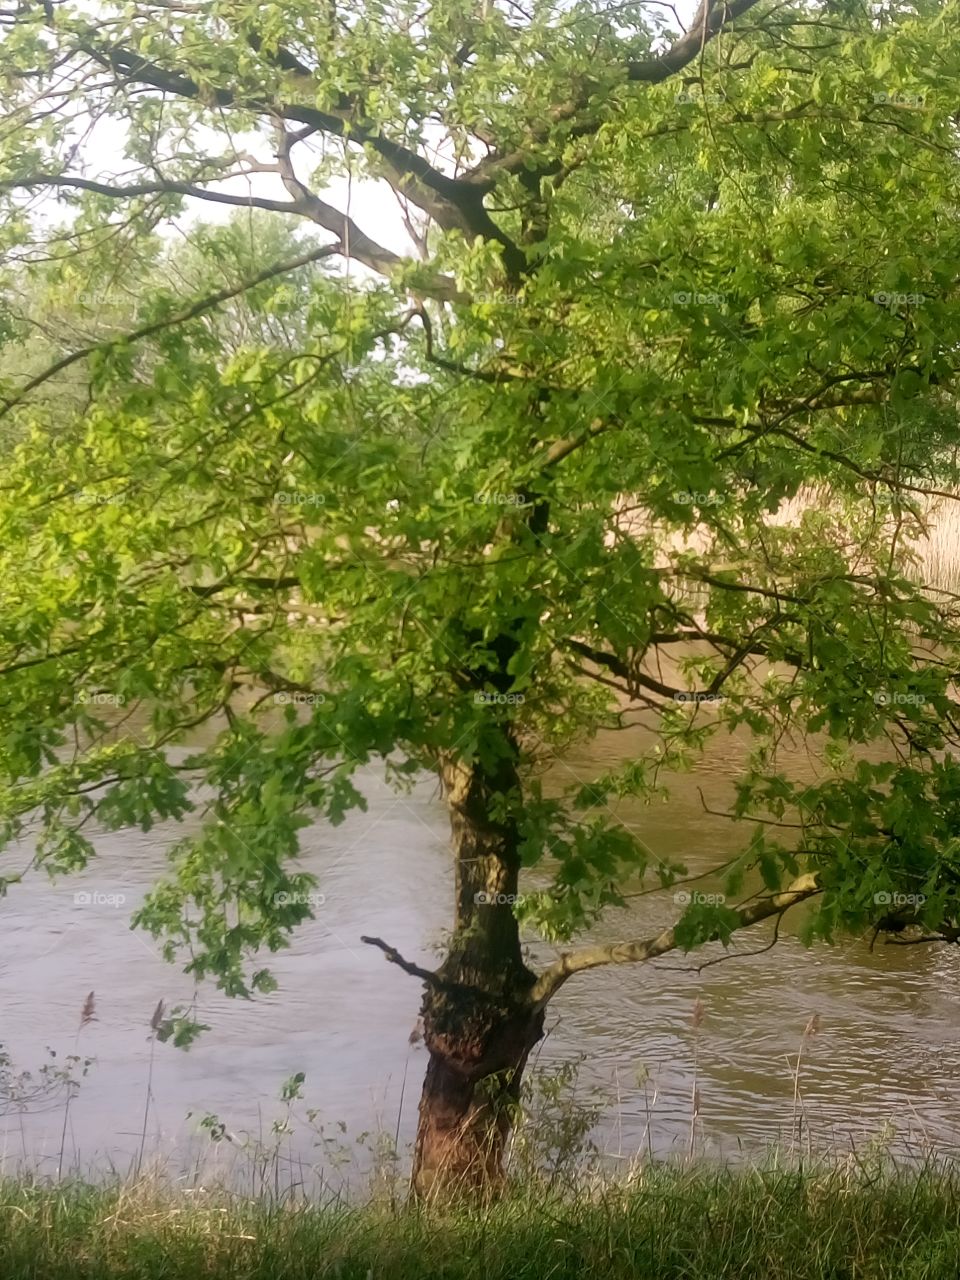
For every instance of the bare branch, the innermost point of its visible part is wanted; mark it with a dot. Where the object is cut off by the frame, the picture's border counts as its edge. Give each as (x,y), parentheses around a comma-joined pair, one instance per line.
(353,242)
(394,956)
(165,187)
(553,978)
(428,975)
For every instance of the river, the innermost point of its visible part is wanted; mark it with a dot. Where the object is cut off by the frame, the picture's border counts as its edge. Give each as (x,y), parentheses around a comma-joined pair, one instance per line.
(884,1063)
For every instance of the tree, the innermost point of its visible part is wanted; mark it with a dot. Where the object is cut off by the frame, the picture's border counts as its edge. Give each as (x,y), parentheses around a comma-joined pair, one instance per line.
(452,511)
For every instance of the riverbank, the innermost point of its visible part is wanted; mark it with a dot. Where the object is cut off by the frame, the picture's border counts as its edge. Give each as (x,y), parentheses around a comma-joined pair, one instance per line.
(844,1221)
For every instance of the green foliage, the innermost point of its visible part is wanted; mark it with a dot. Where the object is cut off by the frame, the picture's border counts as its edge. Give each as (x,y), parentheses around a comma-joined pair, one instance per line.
(478,507)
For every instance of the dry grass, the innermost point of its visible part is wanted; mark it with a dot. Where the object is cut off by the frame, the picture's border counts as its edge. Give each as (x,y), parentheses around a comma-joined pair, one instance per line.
(928,534)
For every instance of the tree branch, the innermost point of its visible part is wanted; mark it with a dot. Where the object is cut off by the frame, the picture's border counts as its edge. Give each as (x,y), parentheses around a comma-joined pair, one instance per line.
(164,187)
(625,671)
(553,978)
(709,21)
(428,975)
(451,202)
(148,330)
(394,956)
(353,242)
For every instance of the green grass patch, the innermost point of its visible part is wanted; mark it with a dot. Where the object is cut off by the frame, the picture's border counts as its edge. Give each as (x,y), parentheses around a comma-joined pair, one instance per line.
(694,1223)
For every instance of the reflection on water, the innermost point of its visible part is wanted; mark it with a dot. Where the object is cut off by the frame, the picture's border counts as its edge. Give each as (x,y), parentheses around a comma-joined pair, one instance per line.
(887,1053)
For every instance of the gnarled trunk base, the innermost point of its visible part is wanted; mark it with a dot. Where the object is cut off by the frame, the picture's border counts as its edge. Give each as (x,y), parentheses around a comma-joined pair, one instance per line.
(470,1094)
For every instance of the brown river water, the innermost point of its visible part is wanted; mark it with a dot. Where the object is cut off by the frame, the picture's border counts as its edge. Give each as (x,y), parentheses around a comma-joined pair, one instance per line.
(883,1066)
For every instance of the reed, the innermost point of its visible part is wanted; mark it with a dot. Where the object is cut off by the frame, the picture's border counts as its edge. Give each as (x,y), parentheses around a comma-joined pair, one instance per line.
(88,1014)
(809,1031)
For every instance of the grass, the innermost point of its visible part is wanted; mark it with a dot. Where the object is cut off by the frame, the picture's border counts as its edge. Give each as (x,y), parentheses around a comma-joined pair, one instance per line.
(692,1222)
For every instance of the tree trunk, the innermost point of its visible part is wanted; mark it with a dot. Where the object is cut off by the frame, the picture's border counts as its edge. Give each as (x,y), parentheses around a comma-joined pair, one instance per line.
(468,1104)
(479,1026)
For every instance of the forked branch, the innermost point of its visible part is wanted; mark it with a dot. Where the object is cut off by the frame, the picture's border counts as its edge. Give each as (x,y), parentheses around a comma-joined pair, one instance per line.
(553,978)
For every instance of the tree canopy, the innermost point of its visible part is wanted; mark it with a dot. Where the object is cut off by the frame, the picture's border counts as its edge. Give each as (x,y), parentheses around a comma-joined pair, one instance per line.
(454,508)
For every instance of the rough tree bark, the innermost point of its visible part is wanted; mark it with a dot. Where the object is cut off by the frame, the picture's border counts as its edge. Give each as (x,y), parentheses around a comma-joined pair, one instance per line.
(479,1021)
